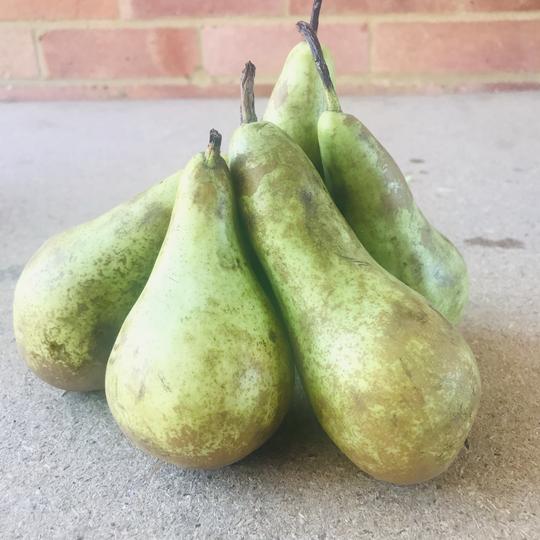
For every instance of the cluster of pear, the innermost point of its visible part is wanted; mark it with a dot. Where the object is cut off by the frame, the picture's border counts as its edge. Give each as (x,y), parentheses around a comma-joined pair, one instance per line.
(190,302)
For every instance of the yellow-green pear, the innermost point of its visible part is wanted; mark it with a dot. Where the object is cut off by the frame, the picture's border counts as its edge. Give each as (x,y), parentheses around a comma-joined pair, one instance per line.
(201,373)
(373,195)
(75,292)
(298,98)
(391,381)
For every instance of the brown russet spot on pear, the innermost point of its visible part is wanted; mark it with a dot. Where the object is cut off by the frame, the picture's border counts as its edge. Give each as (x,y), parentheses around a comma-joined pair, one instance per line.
(203,194)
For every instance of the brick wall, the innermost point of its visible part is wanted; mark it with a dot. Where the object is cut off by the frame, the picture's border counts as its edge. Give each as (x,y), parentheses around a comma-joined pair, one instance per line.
(87,49)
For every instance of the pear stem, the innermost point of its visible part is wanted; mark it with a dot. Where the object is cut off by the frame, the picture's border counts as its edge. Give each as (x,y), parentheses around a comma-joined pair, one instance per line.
(332,101)
(214,147)
(315,12)
(247,95)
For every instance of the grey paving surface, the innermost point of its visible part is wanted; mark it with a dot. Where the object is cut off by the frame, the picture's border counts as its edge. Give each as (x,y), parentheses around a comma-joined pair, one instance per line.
(67,472)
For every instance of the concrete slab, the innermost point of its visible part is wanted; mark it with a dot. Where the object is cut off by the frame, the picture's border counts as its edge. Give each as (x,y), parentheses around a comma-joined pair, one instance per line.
(67,472)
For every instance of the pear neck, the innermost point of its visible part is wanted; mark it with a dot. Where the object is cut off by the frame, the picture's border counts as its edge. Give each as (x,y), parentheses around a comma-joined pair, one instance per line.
(332,101)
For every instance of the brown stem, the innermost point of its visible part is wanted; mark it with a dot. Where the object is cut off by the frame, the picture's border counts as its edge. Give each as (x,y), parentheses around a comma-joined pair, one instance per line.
(247,95)
(315,12)
(215,141)
(314,44)
(214,147)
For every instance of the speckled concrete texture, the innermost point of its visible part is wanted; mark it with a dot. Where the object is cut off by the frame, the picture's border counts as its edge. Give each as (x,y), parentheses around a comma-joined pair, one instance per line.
(67,472)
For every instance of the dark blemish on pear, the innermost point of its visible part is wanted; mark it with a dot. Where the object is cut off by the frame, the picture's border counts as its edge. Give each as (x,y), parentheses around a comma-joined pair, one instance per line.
(350,120)
(504,243)
(164,383)
(359,401)
(352,260)
(340,195)
(88,376)
(154,213)
(82,307)
(56,350)
(204,194)
(220,209)
(103,338)
(307,198)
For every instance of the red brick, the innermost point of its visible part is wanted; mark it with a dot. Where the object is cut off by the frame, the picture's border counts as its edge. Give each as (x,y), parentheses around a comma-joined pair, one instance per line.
(58,9)
(303,7)
(474,47)
(100,54)
(227,48)
(502,5)
(197,8)
(349,44)
(17,57)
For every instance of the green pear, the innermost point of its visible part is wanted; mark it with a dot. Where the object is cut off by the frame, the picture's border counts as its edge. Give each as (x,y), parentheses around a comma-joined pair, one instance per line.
(77,289)
(373,195)
(391,381)
(201,373)
(298,98)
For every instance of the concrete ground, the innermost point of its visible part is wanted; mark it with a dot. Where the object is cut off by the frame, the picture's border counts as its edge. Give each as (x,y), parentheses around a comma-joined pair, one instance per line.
(67,472)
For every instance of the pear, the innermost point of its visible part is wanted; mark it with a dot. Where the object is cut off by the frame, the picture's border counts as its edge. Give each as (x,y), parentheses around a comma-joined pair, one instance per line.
(391,381)
(373,195)
(298,97)
(75,292)
(201,373)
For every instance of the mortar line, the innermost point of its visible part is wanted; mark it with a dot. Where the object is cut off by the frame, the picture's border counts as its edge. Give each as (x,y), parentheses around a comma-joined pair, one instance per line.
(443,78)
(347,79)
(200,63)
(176,22)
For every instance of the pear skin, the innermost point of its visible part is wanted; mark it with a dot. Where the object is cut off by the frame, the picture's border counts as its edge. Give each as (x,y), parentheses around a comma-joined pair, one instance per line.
(75,292)
(373,195)
(201,373)
(392,382)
